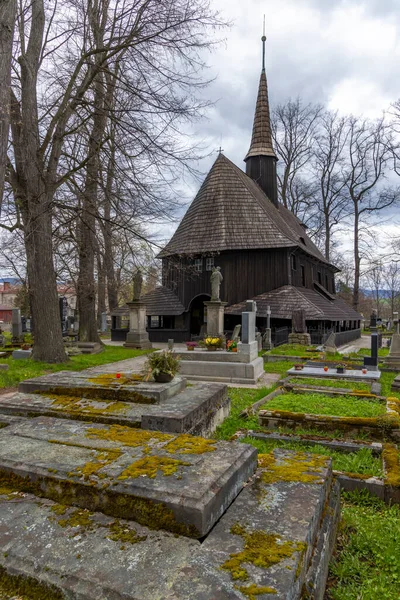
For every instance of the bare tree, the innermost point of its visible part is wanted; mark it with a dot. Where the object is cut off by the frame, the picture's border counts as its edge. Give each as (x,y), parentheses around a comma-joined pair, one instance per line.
(329,172)
(8,10)
(391,277)
(367,161)
(54,101)
(294,126)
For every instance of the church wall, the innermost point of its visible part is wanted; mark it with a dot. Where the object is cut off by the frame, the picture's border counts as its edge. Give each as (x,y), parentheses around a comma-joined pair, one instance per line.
(313,271)
(246,274)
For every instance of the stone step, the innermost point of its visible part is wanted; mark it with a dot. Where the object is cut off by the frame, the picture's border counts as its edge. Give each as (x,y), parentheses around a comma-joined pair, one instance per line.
(230,372)
(174,482)
(276,537)
(198,409)
(129,387)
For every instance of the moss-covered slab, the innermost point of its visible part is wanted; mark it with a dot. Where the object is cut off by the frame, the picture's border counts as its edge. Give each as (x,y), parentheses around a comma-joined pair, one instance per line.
(265,540)
(197,409)
(276,536)
(178,483)
(122,387)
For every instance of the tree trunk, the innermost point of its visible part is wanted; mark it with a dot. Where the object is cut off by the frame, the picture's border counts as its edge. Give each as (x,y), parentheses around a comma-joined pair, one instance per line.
(48,346)
(101,290)
(7,22)
(357,261)
(327,236)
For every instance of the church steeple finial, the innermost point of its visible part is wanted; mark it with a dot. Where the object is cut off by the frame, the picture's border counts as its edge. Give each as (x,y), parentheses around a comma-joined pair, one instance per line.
(261,158)
(263,39)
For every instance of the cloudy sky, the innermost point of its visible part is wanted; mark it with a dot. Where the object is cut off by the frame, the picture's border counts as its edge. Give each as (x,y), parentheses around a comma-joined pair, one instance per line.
(344,54)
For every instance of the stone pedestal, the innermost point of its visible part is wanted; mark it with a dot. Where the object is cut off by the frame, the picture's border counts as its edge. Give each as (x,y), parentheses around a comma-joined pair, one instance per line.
(267,339)
(250,350)
(393,360)
(303,339)
(16,323)
(215,317)
(137,336)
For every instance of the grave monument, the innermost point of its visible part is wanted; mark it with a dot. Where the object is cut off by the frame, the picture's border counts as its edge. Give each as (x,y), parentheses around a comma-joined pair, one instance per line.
(215,307)
(299,333)
(393,360)
(137,336)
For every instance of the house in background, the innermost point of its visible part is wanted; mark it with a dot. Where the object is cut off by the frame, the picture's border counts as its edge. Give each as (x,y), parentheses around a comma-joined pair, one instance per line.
(237,223)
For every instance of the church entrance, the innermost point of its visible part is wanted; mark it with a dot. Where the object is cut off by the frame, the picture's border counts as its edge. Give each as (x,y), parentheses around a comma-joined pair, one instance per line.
(198,315)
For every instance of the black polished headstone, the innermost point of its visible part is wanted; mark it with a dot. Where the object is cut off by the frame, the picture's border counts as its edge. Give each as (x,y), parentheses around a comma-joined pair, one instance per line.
(373,360)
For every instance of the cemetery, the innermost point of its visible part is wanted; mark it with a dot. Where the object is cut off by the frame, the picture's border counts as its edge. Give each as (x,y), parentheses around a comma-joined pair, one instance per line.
(228,431)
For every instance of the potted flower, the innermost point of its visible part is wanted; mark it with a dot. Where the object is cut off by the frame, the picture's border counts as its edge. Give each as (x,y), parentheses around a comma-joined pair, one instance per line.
(298,367)
(214,343)
(162,366)
(326,368)
(231,346)
(341,368)
(364,371)
(191,346)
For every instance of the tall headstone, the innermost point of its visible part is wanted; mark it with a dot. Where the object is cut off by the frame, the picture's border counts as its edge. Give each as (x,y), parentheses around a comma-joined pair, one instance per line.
(393,360)
(16,324)
(248,344)
(103,321)
(372,361)
(299,333)
(137,337)
(267,337)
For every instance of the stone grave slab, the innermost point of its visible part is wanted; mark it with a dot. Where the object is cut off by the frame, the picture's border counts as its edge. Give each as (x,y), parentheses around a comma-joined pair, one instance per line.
(396,384)
(178,483)
(393,359)
(356,374)
(129,387)
(198,409)
(284,521)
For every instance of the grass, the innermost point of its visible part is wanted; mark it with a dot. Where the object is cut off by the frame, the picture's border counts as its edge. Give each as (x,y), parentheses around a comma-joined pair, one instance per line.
(361,462)
(25,369)
(319,404)
(303,351)
(280,366)
(367,563)
(318,433)
(241,398)
(386,381)
(334,383)
(367,352)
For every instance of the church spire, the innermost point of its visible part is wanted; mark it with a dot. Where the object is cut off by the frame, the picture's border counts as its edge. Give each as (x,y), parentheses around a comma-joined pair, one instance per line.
(261,158)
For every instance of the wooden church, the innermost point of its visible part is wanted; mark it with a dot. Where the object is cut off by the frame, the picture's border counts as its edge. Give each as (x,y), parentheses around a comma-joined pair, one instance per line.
(237,223)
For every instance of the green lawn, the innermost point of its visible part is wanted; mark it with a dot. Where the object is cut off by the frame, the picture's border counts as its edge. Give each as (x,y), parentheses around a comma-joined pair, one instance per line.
(334,383)
(308,352)
(280,367)
(319,404)
(362,462)
(382,352)
(25,369)
(367,561)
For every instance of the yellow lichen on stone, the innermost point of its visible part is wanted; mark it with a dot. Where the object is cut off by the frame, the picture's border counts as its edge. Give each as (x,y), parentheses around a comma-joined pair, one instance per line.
(112,379)
(124,534)
(390,456)
(59,509)
(299,467)
(74,404)
(102,459)
(261,549)
(128,436)
(79,518)
(189,444)
(253,590)
(150,465)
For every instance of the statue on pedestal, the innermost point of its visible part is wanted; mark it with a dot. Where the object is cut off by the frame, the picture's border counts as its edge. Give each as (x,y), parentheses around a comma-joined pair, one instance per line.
(216,280)
(137,285)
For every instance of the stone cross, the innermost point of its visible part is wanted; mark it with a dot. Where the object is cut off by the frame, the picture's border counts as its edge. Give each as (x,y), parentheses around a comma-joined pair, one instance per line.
(268,317)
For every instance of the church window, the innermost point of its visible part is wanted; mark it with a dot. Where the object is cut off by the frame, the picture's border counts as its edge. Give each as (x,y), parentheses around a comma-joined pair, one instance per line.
(294,265)
(319,277)
(303,241)
(156,322)
(303,276)
(209,263)
(198,265)
(326,283)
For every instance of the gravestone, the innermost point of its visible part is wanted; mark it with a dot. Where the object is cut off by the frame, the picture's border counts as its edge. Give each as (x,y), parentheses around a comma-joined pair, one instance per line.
(372,361)
(236,333)
(103,322)
(267,337)
(393,360)
(16,324)
(299,334)
(248,344)
(137,337)
(330,345)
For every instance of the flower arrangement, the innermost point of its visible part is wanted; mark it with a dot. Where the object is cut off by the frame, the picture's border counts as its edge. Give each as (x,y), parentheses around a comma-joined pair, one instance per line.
(191,345)
(231,346)
(213,343)
(341,368)
(163,366)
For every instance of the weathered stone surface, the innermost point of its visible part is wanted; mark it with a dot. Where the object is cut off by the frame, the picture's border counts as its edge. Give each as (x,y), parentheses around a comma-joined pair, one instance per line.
(197,409)
(74,550)
(127,388)
(177,483)
(332,374)
(271,514)
(396,384)
(230,372)
(21,354)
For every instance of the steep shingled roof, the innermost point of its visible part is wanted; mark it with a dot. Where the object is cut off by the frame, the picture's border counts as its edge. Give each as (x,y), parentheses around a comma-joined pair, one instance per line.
(231,212)
(261,139)
(286,299)
(161,301)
